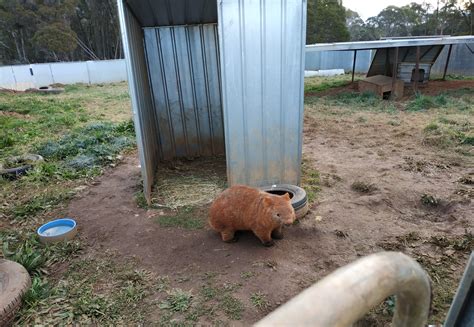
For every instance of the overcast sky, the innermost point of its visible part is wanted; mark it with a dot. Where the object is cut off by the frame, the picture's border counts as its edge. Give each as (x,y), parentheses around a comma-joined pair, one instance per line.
(369,8)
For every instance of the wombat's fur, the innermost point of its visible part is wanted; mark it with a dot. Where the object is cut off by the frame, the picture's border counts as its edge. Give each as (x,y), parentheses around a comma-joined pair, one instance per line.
(246,208)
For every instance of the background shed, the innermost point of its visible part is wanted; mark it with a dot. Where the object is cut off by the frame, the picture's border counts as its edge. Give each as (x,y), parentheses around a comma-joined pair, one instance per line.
(209,77)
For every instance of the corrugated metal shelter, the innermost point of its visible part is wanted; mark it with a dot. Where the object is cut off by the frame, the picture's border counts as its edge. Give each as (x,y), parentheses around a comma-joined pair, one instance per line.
(209,77)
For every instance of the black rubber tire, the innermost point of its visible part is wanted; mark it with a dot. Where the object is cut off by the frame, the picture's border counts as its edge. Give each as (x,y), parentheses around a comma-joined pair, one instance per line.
(20,170)
(14,282)
(302,211)
(298,199)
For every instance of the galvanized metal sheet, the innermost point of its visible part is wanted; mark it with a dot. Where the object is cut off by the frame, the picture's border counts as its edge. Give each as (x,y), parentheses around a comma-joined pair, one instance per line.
(184,74)
(142,106)
(152,13)
(262,64)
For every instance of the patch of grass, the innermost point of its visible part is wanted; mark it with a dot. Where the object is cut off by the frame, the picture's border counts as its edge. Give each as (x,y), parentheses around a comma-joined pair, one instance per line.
(185,217)
(27,254)
(232,307)
(163,284)
(259,300)
(208,292)
(394,123)
(356,98)
(449,133)
(246,274)
(87,295)
(363,187)
(311,86)
(310,180)
(177,300)
(429,200)
(425,102)
(431,127)
(34,256)
(38,291)
(361,119)
(38,204)
(141,200)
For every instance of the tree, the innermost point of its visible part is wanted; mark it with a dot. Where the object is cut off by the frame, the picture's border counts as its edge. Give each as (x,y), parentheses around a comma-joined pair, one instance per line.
(358,29)
(326,22)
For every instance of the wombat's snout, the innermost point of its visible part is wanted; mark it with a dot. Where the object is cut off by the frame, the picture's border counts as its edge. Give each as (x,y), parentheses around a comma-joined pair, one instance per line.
(290,220)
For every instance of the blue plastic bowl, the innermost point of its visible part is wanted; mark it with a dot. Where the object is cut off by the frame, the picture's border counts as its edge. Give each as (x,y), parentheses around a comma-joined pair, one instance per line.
(63,229)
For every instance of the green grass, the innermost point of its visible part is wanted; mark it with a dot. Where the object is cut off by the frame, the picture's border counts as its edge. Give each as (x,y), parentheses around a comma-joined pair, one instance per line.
(184,217)
(449,133)
(87,295)
(177,300)
(323,86)
(232,307)
(424,102)
(78,132)
(259,301)
(24,247)
(310,180)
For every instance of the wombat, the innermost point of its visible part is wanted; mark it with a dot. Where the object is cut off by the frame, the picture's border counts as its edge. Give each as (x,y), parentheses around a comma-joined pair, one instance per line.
(245,208)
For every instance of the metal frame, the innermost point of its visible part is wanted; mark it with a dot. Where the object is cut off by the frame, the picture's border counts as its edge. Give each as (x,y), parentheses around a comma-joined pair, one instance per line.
(461,312)
(366,45)
(347,294)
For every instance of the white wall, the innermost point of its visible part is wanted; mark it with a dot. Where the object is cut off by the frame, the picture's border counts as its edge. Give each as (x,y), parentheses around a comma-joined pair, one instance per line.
(19,77)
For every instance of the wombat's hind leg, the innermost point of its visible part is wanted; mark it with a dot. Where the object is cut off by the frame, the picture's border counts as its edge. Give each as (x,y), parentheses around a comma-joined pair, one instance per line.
(266,238)
(277,233)
(229,236)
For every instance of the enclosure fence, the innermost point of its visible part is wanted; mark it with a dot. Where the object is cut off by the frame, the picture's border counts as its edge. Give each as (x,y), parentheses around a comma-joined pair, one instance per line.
(21,77)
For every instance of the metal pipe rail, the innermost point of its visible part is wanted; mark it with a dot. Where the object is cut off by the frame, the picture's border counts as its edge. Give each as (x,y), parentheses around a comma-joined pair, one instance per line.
(343,297)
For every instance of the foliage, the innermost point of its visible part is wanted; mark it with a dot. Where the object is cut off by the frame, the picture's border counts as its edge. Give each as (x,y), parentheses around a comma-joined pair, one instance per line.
(58,30)
(452,18)
(326,22)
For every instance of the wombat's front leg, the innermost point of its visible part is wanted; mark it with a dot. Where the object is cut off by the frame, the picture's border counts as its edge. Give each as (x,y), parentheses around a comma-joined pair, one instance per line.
(277,233)
(265,237)
(229,236)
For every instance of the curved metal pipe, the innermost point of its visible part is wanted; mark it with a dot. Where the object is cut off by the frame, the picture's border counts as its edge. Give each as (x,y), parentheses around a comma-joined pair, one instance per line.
(344,296)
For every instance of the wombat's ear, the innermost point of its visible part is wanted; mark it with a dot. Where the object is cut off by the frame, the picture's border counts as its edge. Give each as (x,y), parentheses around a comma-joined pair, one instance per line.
(286,196)
(267,201)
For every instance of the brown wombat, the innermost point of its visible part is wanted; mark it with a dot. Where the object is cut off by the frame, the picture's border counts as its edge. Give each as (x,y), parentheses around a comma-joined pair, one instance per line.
(246,208)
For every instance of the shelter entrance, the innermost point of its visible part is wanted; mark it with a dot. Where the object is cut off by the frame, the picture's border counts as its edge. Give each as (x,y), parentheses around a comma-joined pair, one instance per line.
(209,78)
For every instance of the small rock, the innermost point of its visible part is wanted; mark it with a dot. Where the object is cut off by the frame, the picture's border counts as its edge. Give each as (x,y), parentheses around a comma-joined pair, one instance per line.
(318,218)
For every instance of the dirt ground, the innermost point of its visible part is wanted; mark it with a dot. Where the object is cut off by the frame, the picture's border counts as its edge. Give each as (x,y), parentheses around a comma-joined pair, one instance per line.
(343,224)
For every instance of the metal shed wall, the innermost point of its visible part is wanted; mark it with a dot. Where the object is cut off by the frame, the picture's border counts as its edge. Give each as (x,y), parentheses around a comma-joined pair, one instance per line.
(139,88)
(262,68)
(183,67)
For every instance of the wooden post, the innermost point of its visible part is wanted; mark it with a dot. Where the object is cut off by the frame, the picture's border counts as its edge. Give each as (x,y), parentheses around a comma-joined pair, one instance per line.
(354,65)
(394,73)
(447,62)
(417,68)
